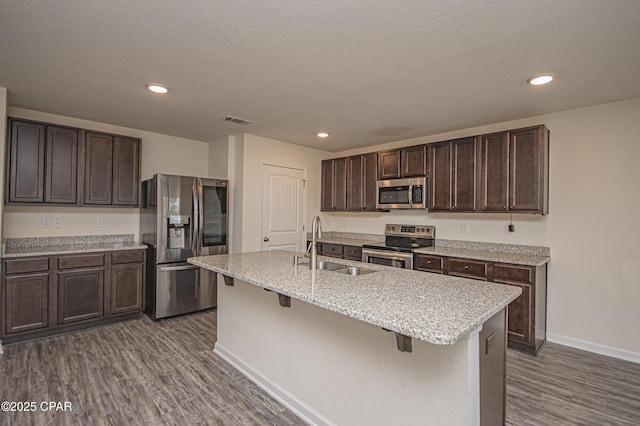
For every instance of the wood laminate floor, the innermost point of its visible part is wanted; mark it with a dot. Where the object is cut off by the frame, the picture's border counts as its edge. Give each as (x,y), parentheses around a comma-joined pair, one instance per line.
(142,372)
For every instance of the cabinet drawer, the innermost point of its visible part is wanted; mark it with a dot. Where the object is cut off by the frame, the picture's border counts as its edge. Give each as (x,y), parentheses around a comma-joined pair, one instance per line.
(428,263)
(127,256)
(353,253)
(20,266)
(81,261)
(513,273)
(468,268)
(333,250)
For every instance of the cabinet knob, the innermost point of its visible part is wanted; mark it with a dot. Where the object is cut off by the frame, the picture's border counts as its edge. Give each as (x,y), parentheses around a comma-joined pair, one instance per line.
(466,266)
(428,262)
(265,239)
(504,207)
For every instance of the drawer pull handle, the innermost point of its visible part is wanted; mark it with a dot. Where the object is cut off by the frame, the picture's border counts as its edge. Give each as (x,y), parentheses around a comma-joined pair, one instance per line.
(466,266)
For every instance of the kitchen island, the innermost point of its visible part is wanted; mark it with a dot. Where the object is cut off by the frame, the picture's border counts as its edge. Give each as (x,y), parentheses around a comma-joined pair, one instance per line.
(389,347)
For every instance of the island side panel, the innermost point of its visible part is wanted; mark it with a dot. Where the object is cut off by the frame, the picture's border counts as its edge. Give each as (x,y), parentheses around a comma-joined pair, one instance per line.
(331,369)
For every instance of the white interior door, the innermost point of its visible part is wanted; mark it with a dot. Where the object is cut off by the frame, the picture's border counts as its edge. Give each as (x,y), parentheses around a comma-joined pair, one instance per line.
(283,191)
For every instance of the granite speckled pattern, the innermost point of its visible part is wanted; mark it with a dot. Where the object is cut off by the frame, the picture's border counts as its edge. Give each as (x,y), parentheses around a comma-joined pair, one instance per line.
(51,246)
(488,256)
(490,252)
(434,308)
(349,238)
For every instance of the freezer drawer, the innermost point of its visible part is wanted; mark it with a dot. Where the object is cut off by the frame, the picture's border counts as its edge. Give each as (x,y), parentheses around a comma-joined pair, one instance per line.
(182,288)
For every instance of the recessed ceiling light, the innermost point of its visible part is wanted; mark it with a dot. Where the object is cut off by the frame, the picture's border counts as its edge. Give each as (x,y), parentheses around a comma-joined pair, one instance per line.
(157,88)
(540,79)
(323,134)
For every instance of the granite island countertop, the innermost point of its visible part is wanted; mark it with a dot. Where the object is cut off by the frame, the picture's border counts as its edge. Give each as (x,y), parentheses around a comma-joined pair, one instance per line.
(435,308)
(53,246)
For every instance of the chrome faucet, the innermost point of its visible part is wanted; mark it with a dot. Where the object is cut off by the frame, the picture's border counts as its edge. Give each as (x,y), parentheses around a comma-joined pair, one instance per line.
(316,232)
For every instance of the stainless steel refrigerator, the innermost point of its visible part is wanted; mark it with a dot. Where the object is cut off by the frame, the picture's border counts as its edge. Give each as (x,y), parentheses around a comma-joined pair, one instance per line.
(181,217)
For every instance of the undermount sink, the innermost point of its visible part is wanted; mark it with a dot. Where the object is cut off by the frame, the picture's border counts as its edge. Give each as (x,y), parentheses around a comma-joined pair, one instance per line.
(329,266)
(355,270)
(343,269)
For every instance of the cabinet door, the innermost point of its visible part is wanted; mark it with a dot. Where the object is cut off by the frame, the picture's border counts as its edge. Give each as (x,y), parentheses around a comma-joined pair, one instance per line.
(80,295)
(126,288)
(26,163)
(440,176)
(326,202)
(340,184)
(355,175)
(126,171)
(98,173)
(334,185)
(463,170)
(362,174)
(61,180)
(494,172)
(521,310)
(527,170)
(26,303)
(370,177)
(389,164)
(414,161)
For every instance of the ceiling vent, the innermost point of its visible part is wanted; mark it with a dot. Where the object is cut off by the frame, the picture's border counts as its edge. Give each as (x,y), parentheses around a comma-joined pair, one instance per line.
(237,120)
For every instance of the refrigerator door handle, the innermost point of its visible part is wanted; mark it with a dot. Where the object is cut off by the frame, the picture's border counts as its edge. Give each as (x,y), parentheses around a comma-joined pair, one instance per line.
(196,223)
(200,216)
(178,268)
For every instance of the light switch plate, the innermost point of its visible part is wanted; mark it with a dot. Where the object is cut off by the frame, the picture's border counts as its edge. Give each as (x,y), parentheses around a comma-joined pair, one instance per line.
(100,222)
(57,223)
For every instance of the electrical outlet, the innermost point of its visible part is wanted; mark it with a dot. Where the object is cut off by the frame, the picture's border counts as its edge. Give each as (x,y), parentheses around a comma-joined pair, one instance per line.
(100,222)
(45,222)
(57,223)
(464,228)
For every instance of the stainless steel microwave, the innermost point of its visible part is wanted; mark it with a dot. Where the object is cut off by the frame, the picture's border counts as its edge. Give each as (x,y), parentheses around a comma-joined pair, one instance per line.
(411,193)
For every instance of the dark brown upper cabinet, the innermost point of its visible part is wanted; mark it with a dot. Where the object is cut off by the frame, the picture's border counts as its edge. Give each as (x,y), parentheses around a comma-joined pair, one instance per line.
(404,162)
(334,185)
(111,170)
(42,163)
(362,173)
(514,168)
(43,166)
(452,175)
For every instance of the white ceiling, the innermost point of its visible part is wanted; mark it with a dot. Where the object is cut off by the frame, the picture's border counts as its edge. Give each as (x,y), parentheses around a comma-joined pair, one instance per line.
(367,71)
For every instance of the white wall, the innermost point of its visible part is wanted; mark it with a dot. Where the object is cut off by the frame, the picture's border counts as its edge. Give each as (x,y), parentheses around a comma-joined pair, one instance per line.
(256,150)
(3,138)
(592,228)
(160,154)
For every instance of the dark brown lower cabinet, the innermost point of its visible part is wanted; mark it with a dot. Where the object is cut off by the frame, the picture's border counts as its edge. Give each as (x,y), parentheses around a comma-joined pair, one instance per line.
(80,295)
(126,288)
(44,296)
(26,304)
(527,325)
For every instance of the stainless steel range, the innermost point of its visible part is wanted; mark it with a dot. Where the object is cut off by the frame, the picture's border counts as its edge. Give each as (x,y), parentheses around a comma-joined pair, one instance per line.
(398,246)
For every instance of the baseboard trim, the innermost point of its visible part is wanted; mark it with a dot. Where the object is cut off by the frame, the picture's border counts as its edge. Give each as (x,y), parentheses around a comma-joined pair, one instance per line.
(594,347)
(299,408)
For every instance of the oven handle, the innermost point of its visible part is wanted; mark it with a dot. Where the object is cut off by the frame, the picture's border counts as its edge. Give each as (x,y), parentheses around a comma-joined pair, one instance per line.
(386,254)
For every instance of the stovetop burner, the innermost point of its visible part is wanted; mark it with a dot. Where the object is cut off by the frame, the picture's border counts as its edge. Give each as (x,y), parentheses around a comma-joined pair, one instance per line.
(405,238)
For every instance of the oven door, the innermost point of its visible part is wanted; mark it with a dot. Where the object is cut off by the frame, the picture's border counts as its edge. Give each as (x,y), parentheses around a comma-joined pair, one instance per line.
(388,258)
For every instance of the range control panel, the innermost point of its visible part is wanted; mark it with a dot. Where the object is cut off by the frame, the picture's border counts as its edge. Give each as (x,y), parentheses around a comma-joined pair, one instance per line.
(420,231)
